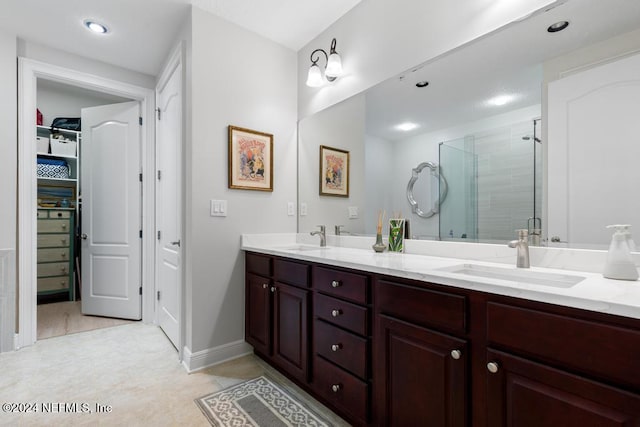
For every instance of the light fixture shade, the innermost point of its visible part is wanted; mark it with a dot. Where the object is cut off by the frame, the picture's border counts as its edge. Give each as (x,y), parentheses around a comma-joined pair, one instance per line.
(334,66)
(314,78)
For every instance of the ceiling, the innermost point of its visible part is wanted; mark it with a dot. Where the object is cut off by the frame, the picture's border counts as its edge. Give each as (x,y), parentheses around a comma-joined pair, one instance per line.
(508,61)
(142,32)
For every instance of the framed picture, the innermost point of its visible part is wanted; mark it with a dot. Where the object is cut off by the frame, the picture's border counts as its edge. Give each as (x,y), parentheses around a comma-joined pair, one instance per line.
(334,172)
(250,159)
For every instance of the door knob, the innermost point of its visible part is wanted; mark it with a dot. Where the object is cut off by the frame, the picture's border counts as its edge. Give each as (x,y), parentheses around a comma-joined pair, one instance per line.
(177,243)
(83,236)
(493,367)
(456,354)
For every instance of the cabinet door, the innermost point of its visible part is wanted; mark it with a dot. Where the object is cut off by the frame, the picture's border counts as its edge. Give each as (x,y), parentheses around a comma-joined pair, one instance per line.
(258,313)
(420,376)
(521,393)
(290,326)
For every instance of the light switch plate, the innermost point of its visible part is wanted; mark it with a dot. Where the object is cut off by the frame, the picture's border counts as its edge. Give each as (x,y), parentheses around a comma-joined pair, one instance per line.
(291,209)
(303,209)
(218,208)
(353,212)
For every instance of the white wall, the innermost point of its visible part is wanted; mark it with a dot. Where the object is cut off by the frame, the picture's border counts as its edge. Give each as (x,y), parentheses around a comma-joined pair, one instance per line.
(8,188)
(378,39)
(55,100)
(340,127)
(61,58)
(241,79)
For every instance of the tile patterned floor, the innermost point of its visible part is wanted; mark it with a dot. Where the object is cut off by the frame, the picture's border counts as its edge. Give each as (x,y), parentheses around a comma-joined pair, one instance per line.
(133,368)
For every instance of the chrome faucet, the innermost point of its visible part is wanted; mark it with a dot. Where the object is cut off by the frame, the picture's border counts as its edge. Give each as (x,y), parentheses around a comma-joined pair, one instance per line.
(338,229)
(522,245)
(323,235)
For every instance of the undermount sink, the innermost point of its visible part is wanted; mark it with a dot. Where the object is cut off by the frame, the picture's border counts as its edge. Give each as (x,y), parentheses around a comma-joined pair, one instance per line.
(301,247)
(520,275)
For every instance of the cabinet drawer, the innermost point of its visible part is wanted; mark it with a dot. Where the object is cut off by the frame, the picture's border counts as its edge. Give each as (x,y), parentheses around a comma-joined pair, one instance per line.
(50,255)
(293,273)
(59,214)
(594,348)
(345,349)
(421,306)
(53,283)
(53,269)
(350,286)
(342,313)
(53,240)
(342,389)
(42,213)
(53,226)
(258,264)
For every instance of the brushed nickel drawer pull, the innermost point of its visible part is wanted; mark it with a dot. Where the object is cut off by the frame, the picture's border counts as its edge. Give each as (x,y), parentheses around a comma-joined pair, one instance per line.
(336,284)
(336,313)
(456,354)
(63,284)
(63,225)
(63,254)
(273,289)
(63,269)
(336,347)
(64,241)
(336,388)
(265,286)
(493,367)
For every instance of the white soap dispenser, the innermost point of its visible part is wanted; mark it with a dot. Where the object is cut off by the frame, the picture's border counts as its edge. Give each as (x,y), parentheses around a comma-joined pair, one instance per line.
(619,264)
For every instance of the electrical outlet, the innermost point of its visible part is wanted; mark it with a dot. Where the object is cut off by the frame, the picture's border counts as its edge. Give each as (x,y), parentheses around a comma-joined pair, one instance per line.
(218,208)
(291,209)
(353,212)
(303,209)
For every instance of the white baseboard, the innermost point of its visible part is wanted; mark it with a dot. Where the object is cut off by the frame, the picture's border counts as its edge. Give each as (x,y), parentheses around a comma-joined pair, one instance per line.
(7,300)
(212,356)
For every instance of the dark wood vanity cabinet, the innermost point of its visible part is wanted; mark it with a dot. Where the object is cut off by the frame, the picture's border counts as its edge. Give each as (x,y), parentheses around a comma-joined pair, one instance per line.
(277,312)
(387,351)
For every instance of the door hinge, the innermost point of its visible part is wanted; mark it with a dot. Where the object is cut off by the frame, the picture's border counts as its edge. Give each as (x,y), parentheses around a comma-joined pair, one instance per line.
(141,234)
(140,120)
(159,234)
(159,115)
(140,289)
(140,177)
(159,175)
(158,295)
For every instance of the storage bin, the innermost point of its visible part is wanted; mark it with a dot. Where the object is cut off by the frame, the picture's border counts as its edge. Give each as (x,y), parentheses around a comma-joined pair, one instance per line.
(52,168)
(42,144)
(63,147)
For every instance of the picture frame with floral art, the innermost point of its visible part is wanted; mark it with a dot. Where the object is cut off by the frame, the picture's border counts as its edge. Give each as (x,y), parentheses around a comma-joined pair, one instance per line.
(250,159)
(334,172)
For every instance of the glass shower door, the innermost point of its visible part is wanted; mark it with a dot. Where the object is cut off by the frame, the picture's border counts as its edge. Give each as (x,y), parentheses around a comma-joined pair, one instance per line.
(458,218)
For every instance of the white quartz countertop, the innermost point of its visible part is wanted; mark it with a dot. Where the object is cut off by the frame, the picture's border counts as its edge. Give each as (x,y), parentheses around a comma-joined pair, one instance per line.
(594,293)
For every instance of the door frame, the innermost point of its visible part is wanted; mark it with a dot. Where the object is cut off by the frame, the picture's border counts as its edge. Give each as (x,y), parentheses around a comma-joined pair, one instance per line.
(28,72)
(176,60)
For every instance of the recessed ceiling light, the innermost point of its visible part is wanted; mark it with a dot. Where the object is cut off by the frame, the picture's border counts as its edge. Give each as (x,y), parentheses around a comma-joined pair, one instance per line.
(95,27)
(500,100)
(406,126)
(423,83)
(558,26)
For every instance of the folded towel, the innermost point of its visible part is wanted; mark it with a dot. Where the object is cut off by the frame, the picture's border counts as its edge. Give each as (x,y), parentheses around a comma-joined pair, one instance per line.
(45,161)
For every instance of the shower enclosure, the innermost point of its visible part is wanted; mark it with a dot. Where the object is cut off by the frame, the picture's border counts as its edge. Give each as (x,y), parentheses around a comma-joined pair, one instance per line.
(495,184)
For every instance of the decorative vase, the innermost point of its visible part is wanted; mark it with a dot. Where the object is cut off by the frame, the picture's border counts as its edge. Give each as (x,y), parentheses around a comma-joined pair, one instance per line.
(396,235)
(378,246)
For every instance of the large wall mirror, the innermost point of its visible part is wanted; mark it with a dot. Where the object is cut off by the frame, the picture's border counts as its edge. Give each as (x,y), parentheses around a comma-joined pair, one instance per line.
(531,128)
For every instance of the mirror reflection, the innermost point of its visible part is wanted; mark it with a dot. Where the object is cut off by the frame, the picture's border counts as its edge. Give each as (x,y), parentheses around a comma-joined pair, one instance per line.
(510,130)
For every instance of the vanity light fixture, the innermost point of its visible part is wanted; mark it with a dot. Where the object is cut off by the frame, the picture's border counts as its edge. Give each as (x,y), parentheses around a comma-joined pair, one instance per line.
(96,27)
(558,26)
(332,71)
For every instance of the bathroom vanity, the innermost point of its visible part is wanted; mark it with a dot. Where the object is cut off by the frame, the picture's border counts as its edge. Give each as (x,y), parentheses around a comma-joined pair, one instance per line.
(401,339)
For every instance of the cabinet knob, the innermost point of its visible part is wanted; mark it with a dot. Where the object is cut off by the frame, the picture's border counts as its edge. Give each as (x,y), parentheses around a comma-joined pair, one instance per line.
(493,367)
(63,225)
(456,354)
(64,241)
(63,284)
(336,388)
(273,289)
(63,254)
(63,269)
(336,347)
(265,286)
(336,313)
(336,284)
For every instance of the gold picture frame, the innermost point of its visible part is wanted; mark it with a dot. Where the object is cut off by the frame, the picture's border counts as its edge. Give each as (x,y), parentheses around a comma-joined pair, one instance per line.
(334,172)
(250,159)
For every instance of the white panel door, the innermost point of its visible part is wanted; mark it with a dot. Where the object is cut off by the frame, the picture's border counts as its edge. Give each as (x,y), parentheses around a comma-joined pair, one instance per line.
(594,152)
(111,211)
(169,204)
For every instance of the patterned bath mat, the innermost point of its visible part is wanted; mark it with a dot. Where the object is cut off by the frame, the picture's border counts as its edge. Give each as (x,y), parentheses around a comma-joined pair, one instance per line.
(258,403)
